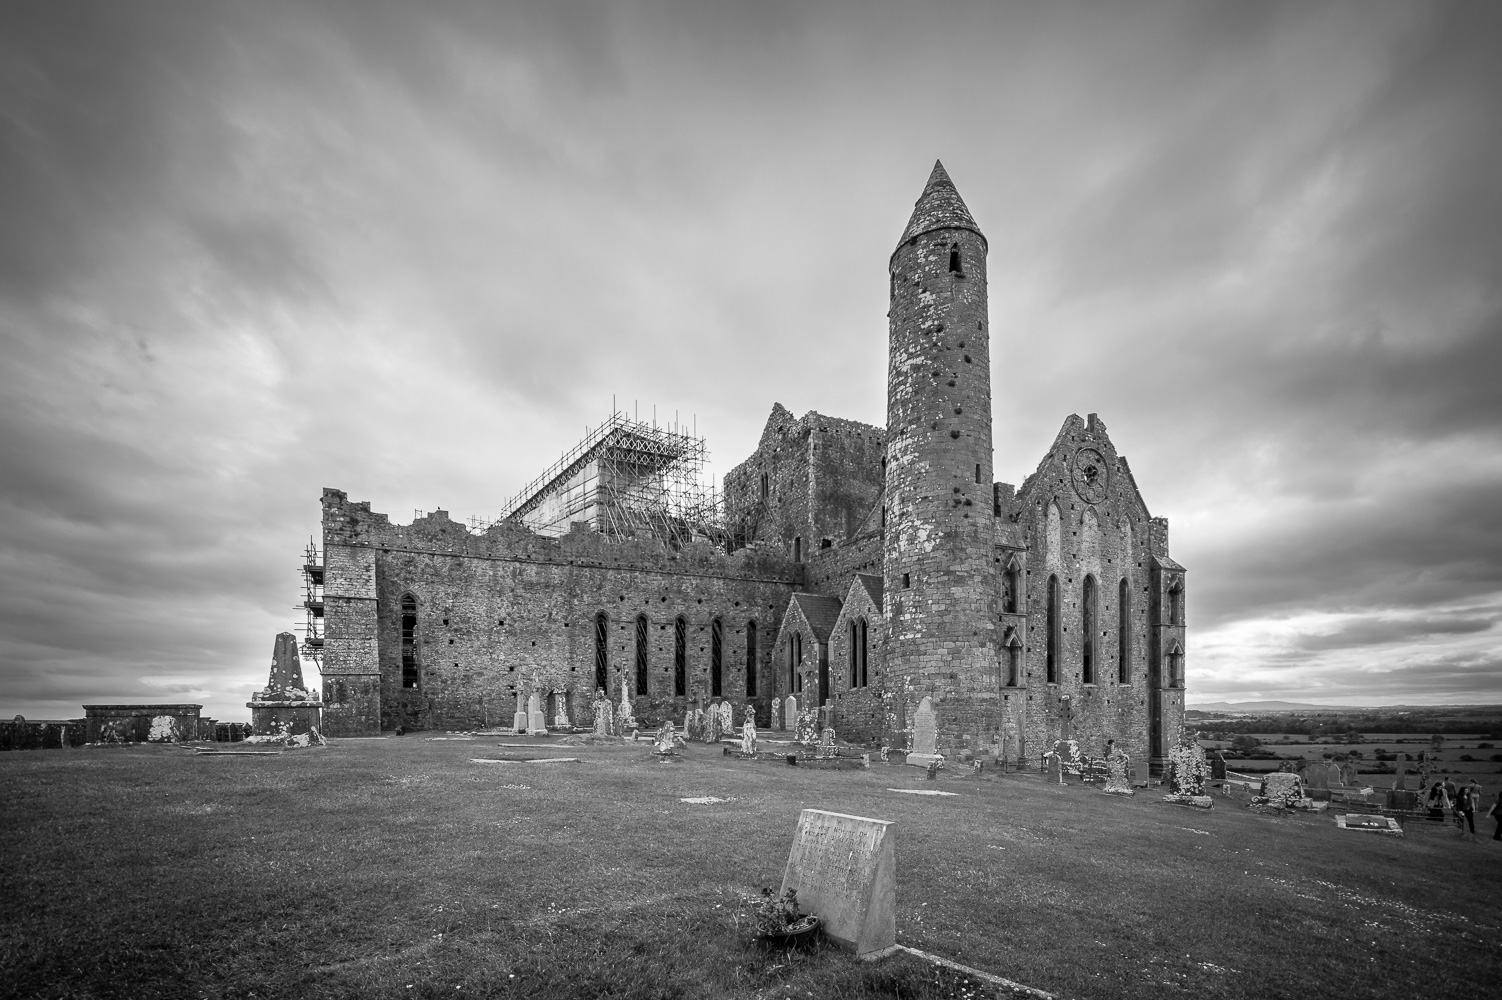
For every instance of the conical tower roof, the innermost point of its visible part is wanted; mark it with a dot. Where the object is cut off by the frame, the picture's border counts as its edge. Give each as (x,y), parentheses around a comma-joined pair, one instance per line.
(939,207)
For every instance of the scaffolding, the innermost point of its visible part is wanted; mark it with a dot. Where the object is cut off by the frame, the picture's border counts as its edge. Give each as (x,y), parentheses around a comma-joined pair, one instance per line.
(625,479)
(312,604)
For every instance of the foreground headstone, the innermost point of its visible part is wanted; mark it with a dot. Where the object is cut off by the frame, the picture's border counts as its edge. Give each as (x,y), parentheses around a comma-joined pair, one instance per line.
(843,869)
(790,712)
(925,734)
(1117,783)
(1141,774)
(535,721)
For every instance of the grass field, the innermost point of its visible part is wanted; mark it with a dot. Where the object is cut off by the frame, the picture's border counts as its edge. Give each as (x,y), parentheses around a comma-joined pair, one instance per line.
(398,868)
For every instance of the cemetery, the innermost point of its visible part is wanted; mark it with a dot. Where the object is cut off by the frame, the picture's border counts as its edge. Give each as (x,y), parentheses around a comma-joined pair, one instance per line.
(641,863)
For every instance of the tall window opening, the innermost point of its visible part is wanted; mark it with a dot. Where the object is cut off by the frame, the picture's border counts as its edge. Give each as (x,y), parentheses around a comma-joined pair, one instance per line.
(602,657)
(977,472)
(1088,627)
(1051,640)
(864,648)
(1012,665)
(1124,633)
(1173,666)
(411,670)
(1176,603)
(641,654)
(680,657)
(1009,581)
(751,659)
(955,266)
(716,656)
(795,661)
(765,486)
(798,549)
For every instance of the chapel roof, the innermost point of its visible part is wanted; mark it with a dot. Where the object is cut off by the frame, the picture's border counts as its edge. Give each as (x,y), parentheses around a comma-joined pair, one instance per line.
(874,587)
(820,612)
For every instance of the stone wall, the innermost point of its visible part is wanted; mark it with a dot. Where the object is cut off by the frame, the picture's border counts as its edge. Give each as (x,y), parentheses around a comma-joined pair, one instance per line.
(508,611)
(822,474)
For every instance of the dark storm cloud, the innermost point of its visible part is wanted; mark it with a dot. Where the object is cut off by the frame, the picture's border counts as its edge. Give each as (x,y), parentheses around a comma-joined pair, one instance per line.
(253,250)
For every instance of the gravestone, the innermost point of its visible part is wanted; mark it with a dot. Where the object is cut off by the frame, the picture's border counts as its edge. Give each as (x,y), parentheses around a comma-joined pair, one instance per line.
(1348,774)
(603,720)
(713,728)
(625,719)
(536,724)
(1055,770)
(1318,777)
(790,712)
(925,734)
(727,717)
(519,720)
(560,710)
(843,870)
(776,713)
(826,744)
(663,744)
(748,734)
(1141,774)
(1117,783)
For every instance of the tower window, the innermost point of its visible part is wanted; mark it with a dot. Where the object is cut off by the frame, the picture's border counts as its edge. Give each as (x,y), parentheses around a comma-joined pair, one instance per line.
(907,581)
(977,472)
(954,260)
(798,549)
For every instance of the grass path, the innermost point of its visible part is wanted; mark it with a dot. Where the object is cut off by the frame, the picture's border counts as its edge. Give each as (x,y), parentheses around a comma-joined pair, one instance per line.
(400,868)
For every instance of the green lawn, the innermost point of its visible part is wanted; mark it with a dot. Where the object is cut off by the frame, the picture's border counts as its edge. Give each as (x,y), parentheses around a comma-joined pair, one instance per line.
(374,868)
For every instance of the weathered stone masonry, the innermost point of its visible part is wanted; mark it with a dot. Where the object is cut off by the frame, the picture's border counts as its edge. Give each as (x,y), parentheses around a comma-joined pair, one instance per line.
(511,611)
(878,565)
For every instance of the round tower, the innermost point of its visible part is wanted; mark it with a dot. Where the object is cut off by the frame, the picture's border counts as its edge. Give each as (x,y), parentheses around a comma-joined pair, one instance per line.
(940,576)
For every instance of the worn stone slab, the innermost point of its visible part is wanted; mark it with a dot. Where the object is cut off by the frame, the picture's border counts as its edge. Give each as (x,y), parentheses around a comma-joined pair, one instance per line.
(843,869)
(529,760)
(1141,774)
(1369,823)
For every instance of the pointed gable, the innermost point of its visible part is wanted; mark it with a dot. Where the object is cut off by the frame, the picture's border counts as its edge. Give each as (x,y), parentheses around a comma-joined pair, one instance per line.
(939,207)
(874,587)
(820,612)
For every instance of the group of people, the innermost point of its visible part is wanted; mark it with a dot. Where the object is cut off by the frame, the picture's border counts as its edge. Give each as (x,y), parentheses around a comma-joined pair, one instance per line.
(1461,802)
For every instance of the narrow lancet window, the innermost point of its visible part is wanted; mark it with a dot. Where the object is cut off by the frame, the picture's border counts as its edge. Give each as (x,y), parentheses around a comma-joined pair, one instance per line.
(955,266)
(680,657)
(602,657)
(1088,627)
(641,654)
(1124,633)
(1051,640)
(716,657)
(751,659)
(411,670)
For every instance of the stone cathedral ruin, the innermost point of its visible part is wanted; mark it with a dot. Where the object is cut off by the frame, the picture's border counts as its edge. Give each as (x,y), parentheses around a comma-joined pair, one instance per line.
(857,568)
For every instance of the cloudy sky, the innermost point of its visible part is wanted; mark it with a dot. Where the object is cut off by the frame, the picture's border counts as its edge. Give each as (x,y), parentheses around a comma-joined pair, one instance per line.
(249,251)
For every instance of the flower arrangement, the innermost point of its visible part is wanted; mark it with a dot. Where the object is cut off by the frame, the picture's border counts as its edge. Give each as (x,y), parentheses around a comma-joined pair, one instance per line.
(777,916)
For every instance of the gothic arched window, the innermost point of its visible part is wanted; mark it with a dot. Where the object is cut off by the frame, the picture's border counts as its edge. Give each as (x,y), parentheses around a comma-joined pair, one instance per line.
(1124,633)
